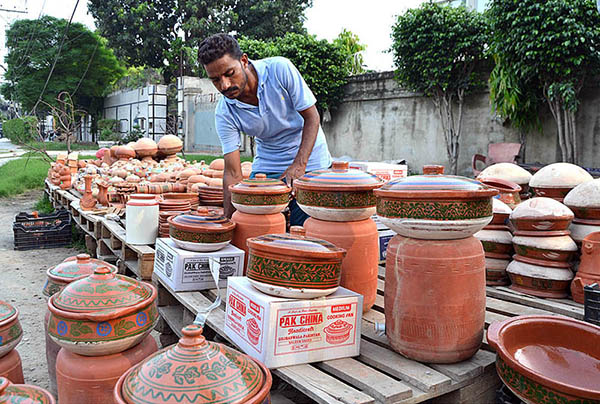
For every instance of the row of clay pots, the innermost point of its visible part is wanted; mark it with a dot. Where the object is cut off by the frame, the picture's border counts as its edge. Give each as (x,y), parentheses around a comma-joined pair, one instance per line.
(496,240)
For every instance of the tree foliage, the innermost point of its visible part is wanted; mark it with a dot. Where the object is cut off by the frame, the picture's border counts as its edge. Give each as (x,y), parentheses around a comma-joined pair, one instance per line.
(437,50)
(269,19)
(21,130)
(351,45)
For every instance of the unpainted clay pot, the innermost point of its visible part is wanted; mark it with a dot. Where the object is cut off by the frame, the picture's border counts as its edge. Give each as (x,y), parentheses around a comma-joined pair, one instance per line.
(87,202)
(248,226)
(589,268)
(509,191)
(11,367)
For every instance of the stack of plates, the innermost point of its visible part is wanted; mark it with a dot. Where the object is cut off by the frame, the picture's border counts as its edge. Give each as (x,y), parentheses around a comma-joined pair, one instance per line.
(167,208)
(211,196)
(182,196)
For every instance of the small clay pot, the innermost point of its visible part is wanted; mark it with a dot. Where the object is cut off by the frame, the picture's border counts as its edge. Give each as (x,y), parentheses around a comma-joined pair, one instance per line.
(509,191)
(584,201)
(433,169)
(10,328)
(87,202)
(217,164)
(23,393)
(169,145)
(538,280)
(495,242)
(201,231)
(260,195)
(541,214)
(495,272)
(501,213)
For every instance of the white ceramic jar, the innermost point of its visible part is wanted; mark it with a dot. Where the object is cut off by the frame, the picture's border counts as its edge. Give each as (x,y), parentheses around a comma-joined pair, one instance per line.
(141,219)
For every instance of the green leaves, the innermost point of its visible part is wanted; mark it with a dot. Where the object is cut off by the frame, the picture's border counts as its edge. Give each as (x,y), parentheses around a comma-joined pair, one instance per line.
(78,329)
(123,326)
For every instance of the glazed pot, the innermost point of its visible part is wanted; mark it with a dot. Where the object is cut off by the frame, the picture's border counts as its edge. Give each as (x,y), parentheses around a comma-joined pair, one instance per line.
(71,269)
(509,191)
(589,270)
(201,231)
(141,219)
(11,367)
(495,272)
(538,280)
(498,242)
(195,371)
(293,265)
(10,328)
(556,180)
(541,214)
(260,195)
(561,248)
(584,201)
(102,314)
(169,145)
(433,169)
(23,393)
(339,194)
(509,172)
(435,207)
(547,359)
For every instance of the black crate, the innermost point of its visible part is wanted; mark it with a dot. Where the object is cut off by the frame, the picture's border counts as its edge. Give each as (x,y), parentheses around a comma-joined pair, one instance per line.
(33,232)
(592,303)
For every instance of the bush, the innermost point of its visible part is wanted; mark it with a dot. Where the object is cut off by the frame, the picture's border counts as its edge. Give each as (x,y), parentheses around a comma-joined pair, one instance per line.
(17,176)
(133,136)
(21,130)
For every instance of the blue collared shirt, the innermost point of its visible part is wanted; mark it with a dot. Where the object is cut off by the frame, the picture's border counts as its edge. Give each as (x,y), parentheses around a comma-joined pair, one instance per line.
(275,123)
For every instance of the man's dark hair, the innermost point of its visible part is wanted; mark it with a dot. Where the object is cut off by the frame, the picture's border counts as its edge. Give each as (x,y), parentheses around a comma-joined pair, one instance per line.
(216,46)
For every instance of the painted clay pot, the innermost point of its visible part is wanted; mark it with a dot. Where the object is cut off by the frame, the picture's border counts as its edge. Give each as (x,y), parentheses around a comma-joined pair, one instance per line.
(23,393)
(294,265)
(584,201)
(538,280)
(222,375)
(557,180)
(561,248)
(71,269)
(435,298)
(547,359)
(589,270)
(541,214)
(496,242)
(102,314)
(501,213)
(433,169)
(509,172)
(169,145)
(260,195)
(11,367)
(145,148)
(92,379)
(360,239)
(201,231)
(10,328)
(248,226)
(435,206)
(495,272)
(87,202)
(509,191)
(339,194)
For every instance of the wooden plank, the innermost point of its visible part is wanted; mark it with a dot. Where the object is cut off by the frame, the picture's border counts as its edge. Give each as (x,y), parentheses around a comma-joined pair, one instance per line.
(531,301)
(173,317)
(461,371)
(379,303)
(381,272)
(512,309)
(380,286)
(482,390)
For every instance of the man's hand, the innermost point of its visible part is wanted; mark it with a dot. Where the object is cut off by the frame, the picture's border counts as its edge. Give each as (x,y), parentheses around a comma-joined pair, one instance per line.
(293,172)
(309,134)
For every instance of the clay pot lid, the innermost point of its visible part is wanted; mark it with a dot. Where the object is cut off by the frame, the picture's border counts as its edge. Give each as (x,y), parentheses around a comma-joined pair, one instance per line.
(435,186)
(560,175)
(145,144)
(296,244)
(338,178)
(338,327)
(202,221)
(169,142)
(506,171)
(558,243)
(500,208)
(541,263)
(23,394)
(541,208)
(195,371)
(260,185)
(125,152)
(585,195)
(7,313)
(501,185)
(217,164)
(77,267)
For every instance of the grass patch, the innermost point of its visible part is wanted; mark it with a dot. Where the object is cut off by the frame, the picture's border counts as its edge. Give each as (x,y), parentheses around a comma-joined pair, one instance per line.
(43,205)
(20,175)
(59,146)
(208,159)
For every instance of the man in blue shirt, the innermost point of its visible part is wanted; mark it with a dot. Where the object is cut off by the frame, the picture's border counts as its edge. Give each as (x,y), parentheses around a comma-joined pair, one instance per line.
(267,99)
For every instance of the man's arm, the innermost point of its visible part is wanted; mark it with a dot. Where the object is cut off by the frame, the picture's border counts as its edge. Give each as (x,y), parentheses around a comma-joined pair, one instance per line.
(231,175)
(309,136)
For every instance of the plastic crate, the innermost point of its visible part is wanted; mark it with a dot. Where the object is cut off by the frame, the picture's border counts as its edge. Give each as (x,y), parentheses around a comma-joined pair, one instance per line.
(592,303)
(33,232)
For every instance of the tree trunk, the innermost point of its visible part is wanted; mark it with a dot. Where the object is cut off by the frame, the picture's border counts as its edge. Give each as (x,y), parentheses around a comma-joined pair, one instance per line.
(451,126)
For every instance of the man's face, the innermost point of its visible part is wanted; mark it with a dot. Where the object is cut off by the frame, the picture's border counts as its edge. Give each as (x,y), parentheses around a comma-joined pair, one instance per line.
(228,75)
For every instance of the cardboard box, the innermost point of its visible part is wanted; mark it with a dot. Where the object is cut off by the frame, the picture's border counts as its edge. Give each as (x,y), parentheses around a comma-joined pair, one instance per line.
(384,171)
(282,332)
(384,238)
(379,223)
(185,270)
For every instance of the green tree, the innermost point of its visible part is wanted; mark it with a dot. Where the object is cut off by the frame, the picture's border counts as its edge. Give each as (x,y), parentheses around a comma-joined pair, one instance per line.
(85,67)
(268,19)
(351,45)
(437,51)
(547,49)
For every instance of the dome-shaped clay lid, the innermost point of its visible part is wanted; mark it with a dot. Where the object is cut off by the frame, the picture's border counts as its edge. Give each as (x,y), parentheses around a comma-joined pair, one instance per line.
(260,185)
(541,208)
(194,371)
(506,171)
(435,186)
(500,207)
(103,293)
(560,175)
(23,393)
(338,178)
(586,195)
(77,267)
(202,221)
(169,141)
(145,144)
(7,313)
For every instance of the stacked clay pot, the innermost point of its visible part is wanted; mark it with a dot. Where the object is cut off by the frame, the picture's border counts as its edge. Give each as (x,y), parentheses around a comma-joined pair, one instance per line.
(145,149)
(202,231)
(169,146)
(435,268)
(508,172)
(589,270)
(102,322)
(10,336)
(541,266)
(18,393)
(341,202)
(556,180)
(168,208)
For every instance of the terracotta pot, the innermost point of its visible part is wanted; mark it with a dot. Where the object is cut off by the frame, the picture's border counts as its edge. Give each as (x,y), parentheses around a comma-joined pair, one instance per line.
(435,298)
(584,201)
(10,328)
(169,145)
(339,194)
(52,349)
(125,153)
(556,180)
(293,265)
(435,206)
(87,202)
(509,191)
(248,226)
(195,371)
(85,379)
(495,242)
(23,394)
(541,214)
(202,231)
(260,195)
(580,231)
(103,192)
(589,269)
(217,164)
(561,248)
(71,269)
(102,314)
(538,280)
(432,169)
(509,172)
(495,272)
(544,359)
(501,213)
(11,367)
(145,148)
(360,239)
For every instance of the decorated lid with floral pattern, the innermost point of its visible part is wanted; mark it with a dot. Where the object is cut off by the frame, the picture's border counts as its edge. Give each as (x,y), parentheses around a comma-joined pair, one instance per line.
(23,394)
(7,313)
(435,186)
(338,178)
(260,185)
(77,267)
(202,221)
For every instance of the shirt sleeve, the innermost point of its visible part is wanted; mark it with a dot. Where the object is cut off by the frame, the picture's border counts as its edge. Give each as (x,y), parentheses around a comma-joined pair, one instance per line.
(291,79)
(227,130)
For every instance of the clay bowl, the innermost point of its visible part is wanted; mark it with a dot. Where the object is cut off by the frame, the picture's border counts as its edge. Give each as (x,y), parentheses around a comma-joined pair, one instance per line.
(23,393)
(260,195)
(538,280)
(495,271)
(202,231)
(557,180)
(561,248)
(169,145)
(10,328)
(509,191)
(496,242)
(541,214)
(70,270)
(544,359)
(584,201)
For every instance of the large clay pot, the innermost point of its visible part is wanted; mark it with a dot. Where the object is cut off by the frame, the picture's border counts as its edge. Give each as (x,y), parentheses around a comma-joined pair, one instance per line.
(52,349)
(169,145)
(561,248)
(541,214)
(584,201)
(71,269)
(92,379)
(260,195)
(23,393)
(360,239)
(11,367)
(435,298)
(87,202)
(202,231)
(509,191)
(556,180)
(589,268)
(145,148)
(535,279)
(248,226)
(496,243)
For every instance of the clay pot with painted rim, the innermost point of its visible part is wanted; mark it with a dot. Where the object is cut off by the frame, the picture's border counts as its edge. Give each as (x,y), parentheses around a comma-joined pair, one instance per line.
(102,314)
(509,191)
(201,231)
(495,272)
(496,243)
(538,280)
(195,371)
(169,145)
(260,195)
(70,270)
(436,207)
(501,213)
(541,214)
(10,328)
(584,201)
(557,180)
(509,172)
(23,393)
(293,265)
(561,248)
(589,271)
(338,194)
(544,359)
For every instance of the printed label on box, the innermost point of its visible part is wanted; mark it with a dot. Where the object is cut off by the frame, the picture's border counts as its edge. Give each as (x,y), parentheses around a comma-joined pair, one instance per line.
(164,261)
(245,318)
(197,270)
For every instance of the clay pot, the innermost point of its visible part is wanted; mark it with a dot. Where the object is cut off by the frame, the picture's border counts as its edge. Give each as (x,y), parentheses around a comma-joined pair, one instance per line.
(260,195)
(218,174)
(217,164)
(501,213)
(580,231)
(11,367)
(435,298)
(169,145)
(433,169)
(87,201)
(544,359)
(589,270)
(339,194)
(10,328)
(125,153)
(23,393)
(584,201)
(538,280)
(72,269)
(86,379)
(360,239)
(435,206)
(509,172)
(145,148)
(561,248)
(103,192)
(294,265)
(556,180)
(221,375)
(541,214)
(509,191)
(100,152)
(496,243)
(202,231)
(495,272)
(248,226)
(102,314)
